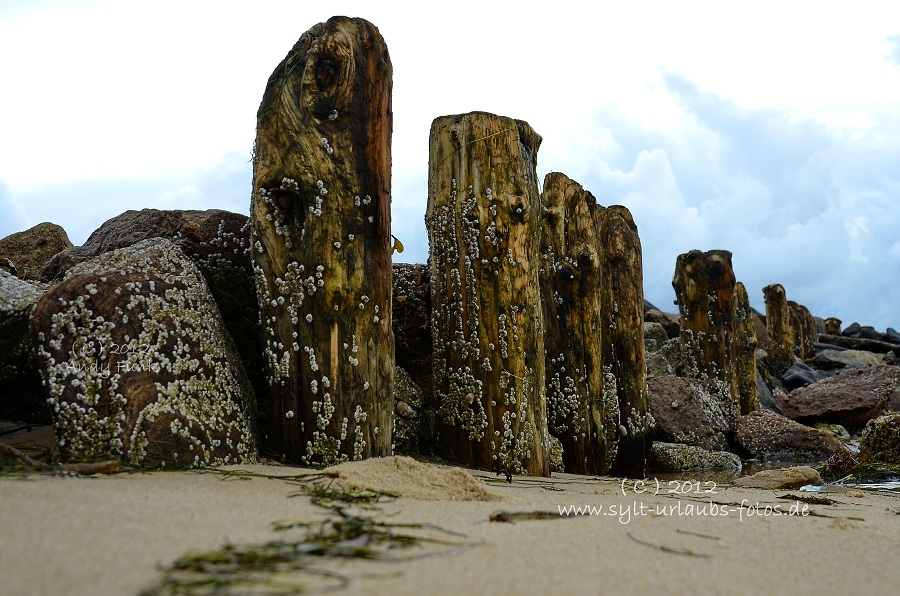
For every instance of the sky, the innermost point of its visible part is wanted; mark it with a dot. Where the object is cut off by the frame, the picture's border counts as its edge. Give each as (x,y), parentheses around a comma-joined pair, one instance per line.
(770,129)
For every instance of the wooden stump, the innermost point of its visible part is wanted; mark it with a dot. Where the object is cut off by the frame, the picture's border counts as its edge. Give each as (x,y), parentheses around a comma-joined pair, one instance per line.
(805,334)
(704,287)
(745,353)
(321,240)
(625,368)
(833,326)
(483,221)
(780,332)
(577,413)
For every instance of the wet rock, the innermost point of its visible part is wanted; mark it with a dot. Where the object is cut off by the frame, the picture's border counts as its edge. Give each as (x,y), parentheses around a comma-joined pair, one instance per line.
(24,253)
(783,478)
(674,457)
(881,439)
(217,241)
(670,322)
(800,375)
(138,365)
(688,412)
(766,399)
(831,359)
(851,398)
(21,395)
(771,437)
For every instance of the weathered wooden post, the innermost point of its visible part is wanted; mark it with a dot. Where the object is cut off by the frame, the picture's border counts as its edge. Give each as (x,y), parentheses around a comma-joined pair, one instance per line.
(780,354)
(321,240)
(577,413)
(704,287)
(483,219)
(805,335)
(833,326)
(745,353)
(625,367)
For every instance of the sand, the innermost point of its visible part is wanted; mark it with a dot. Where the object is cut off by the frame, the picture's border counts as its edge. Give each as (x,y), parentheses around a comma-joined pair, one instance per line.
(112,534)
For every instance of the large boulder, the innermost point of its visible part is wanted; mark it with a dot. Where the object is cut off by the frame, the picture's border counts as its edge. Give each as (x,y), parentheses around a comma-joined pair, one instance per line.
(881,439)
(850,398)
(670,322)
(138,365)
(24,254)
(21,396)
(842,358)
(217,241)
(770,437)
(688,412)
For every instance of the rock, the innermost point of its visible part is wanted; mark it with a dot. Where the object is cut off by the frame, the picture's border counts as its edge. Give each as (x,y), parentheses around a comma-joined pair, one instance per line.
(800,375)
(674,457)
(138,365)
(666,359)
(21,394)
(24,254)
(891,336)
(859,343)
(671,322)
(881,439)
(217,241)
(687,412)
(835,430)
(654,336)
(783,478)
(766,399)
(658,366)
(412,429)
(831,359)
(771,437)
(851,398)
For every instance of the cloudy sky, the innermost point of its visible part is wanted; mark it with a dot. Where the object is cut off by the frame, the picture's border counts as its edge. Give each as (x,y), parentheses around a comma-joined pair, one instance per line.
(770,129)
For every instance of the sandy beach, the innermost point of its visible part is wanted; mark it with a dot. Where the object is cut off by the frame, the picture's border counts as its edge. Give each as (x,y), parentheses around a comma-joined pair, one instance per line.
(116,534)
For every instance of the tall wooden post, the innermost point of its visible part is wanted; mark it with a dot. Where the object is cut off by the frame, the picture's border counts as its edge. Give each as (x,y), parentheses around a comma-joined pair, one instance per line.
(577,412)
(321,225)
(704,287)
(624,364)
(483,219)
(745,353)
(780,331)
(805,335)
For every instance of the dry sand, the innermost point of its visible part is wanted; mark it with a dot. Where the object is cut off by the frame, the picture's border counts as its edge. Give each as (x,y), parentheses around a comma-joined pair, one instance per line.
(111,534)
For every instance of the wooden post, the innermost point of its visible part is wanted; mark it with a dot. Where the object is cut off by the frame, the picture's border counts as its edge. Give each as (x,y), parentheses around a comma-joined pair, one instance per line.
(321,224)
(704,287)
(780,354)
(833,326)
(745,353)
(622,306)
(577,413)
(805,335)
(483,219)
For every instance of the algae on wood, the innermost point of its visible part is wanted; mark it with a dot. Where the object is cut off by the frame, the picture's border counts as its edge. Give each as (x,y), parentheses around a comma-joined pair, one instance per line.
(745,353)
(779,329)
(704,288)
(483,220)
(624,364)
(577,413)
(321,239)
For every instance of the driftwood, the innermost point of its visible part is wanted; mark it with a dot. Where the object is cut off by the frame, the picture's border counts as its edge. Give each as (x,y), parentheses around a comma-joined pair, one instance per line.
(745,353)
(321,240)
(622,306)
(780,330)
(483,219)
(577,412)
(704,288)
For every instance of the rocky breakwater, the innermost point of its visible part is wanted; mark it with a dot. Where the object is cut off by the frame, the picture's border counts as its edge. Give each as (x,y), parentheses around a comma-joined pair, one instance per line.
(138,365)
